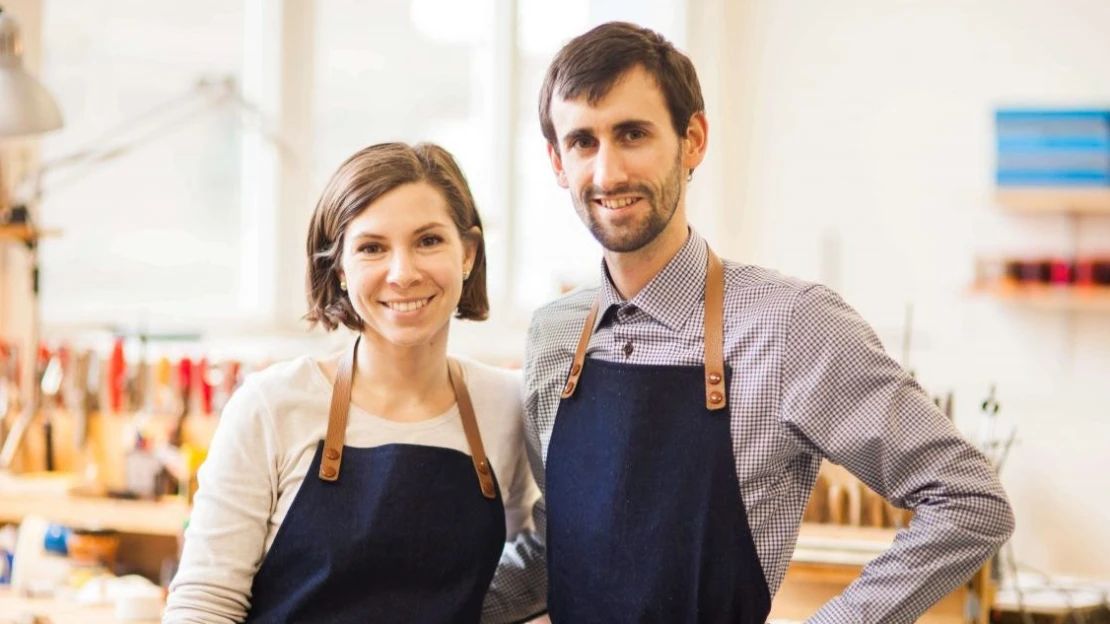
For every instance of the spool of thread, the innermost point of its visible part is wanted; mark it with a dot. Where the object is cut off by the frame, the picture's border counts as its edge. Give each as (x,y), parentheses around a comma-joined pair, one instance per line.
(94,547)
(1061,271)
(1084,272)
(1100,271)
(55,539)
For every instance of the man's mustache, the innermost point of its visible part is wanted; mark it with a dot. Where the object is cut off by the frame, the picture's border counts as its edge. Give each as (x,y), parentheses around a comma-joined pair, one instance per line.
(591,193)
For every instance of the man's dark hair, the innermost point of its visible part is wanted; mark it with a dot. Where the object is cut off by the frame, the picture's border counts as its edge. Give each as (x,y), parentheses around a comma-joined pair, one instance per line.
(593,62)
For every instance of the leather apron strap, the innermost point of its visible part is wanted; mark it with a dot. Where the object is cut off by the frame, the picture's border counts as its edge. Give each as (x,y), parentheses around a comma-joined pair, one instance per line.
(470,427)
(715,398)
(337,416)
(341,407)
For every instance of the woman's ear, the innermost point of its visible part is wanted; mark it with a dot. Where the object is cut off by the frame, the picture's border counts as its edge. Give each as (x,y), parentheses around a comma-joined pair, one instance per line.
(470,247)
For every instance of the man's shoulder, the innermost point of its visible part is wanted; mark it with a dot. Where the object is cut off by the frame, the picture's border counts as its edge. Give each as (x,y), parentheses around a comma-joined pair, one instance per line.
(753,287)
(565,314)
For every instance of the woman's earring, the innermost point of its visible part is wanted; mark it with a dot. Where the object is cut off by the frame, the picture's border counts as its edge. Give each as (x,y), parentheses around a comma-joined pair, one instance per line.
(342,285)
(466,275)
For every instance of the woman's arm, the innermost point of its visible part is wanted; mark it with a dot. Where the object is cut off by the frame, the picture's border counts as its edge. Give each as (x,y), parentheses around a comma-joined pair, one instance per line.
(225,540)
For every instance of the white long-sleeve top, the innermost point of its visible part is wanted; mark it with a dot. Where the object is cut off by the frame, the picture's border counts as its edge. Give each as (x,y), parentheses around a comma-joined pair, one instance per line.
(263,447)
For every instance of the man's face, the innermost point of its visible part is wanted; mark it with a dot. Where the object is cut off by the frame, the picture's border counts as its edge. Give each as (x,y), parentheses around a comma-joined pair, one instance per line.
(622,161)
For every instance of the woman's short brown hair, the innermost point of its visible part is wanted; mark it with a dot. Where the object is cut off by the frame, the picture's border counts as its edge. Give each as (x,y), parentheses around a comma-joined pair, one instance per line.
(364,177)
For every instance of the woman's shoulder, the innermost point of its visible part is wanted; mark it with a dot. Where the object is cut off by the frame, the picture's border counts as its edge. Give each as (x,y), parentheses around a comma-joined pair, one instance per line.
(483,374)
(298,374)
(492,384)
(279,384)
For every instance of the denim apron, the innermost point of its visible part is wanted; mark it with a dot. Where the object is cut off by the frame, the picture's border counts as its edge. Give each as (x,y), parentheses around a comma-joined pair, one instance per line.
(644,517)
(406,535)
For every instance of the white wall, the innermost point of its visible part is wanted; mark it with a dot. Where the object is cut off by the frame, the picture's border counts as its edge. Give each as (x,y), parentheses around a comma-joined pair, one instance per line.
(870,122)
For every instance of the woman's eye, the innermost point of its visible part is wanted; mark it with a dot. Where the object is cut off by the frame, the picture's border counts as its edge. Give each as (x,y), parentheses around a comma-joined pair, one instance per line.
(430,241)
(370,248)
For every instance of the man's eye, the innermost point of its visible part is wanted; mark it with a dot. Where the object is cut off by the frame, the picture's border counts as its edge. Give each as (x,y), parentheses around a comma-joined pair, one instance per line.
(635,135)
(582,143)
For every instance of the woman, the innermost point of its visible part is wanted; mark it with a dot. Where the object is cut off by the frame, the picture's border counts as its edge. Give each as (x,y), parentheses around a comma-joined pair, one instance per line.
(358,488)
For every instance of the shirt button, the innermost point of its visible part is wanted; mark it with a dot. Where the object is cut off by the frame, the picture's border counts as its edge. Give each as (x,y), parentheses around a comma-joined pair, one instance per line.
(628,349)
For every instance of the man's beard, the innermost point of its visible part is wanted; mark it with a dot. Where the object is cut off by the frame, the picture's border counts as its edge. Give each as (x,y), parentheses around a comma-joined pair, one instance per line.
(662,201)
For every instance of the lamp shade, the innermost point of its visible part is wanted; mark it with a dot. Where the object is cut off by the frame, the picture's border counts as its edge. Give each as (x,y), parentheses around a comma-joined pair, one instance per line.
(26,107)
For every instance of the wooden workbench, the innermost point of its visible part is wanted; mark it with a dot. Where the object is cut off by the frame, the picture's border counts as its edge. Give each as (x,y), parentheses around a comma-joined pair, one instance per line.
(828,558)
(49,496)
(17,609)
(149,530)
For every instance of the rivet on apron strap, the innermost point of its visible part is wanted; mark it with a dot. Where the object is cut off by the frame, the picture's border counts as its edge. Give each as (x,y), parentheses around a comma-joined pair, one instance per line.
(337,417)
(470,428)
(715,392)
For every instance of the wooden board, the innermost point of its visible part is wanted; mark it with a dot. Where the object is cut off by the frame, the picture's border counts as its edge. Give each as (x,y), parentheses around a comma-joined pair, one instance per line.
(828,558)
(1055,200)
(19,609)
(48,497)
(106,442)
(1049,297)
(808,586)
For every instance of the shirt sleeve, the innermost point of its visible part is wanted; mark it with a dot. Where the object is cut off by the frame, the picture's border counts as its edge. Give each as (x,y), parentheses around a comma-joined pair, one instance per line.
(225,540)
(519,589)
(523,494)
(845,399)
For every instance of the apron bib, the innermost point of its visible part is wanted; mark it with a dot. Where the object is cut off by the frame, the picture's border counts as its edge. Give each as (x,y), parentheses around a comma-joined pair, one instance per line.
(644,517)
(405,536)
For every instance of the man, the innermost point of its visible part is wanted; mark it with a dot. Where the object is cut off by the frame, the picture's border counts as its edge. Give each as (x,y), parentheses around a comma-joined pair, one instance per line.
(677,430)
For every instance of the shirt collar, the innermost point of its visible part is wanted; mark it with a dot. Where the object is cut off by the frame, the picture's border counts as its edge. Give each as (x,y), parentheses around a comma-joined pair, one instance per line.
(671,296)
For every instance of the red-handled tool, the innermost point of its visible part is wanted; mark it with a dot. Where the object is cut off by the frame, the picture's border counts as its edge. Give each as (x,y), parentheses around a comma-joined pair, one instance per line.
(117,377)
(185,386)
(206,385)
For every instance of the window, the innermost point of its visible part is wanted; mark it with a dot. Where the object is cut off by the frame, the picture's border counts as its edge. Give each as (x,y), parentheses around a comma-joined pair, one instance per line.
(172,234)
(411,70)
(151,237)
(429,70)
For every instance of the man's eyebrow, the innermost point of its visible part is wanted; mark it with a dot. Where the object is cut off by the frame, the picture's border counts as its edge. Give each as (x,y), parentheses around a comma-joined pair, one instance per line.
(575,134)
(619,128)
(633,124)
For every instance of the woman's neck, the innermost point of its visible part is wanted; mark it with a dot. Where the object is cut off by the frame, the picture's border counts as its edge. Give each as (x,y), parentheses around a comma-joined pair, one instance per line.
(404,383)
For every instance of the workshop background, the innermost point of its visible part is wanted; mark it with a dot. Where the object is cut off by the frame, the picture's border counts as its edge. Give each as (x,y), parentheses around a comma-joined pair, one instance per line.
(944,165)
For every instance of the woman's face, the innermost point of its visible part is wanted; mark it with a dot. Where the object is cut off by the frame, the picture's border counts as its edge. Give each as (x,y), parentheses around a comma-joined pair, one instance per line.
(403,261)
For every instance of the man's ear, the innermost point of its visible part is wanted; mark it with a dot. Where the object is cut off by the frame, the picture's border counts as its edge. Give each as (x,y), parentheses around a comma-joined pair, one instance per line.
(695,142)
(557,166)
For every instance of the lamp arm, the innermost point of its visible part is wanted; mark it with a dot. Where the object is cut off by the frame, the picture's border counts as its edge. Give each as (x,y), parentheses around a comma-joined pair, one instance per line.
(206,96)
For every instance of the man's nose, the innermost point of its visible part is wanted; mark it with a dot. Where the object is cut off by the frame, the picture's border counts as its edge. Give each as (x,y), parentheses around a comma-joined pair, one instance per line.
(609,169)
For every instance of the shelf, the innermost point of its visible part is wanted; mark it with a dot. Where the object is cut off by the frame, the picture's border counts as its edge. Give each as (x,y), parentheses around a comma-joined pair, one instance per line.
(48,496)
(24,233)
(1055,200)
(1048,297)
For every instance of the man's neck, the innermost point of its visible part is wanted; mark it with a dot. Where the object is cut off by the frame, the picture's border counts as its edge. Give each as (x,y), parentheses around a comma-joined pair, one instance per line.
(632,271)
